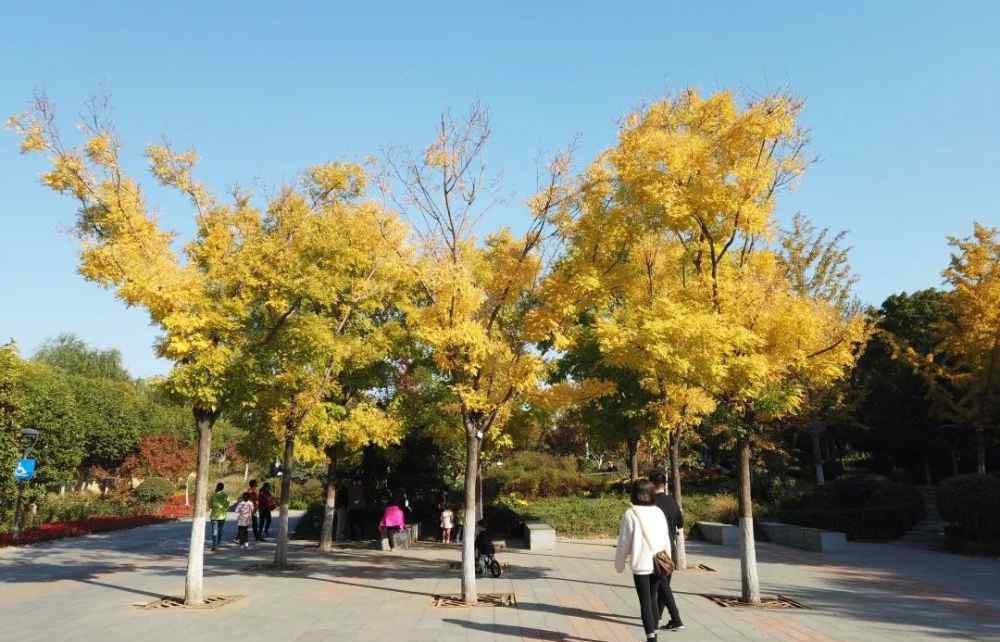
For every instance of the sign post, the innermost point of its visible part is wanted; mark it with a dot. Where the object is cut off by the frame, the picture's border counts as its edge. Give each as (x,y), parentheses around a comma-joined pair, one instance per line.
(24,471)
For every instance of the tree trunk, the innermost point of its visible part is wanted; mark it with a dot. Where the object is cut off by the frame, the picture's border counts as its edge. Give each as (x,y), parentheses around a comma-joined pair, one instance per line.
(954,462)
(928,478)
(281,552)
(817,448)
(246,471)
(680,552)
(194,586)
(329,509)
(472,444)
(633,458)
(480,506)
(748,552)
(980,450)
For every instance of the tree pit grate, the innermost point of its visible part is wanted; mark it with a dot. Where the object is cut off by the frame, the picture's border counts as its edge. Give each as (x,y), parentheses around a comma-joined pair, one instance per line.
(170,602)
(485,599)
(778,602)
(699,568)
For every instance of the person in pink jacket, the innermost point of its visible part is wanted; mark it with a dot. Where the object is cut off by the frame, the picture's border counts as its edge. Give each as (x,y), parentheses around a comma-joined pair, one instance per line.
(393,520)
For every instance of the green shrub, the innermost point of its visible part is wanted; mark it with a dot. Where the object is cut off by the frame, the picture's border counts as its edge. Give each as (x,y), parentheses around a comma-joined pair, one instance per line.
(971,506)
(866,507)
(536,474)
(76,506)
(311,523)
(153,490)
(303,495)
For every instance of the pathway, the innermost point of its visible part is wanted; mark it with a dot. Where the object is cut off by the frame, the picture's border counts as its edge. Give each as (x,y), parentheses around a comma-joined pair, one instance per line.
(83,589)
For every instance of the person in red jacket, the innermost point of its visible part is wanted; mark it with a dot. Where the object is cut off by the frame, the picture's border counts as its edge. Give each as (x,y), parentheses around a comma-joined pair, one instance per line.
(266,504)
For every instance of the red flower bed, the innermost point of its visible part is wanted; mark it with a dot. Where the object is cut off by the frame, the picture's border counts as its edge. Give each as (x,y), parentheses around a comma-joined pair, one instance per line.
(175,508)
(58,530)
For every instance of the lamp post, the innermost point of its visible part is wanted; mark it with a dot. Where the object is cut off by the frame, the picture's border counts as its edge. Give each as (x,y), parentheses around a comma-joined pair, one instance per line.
(30,435)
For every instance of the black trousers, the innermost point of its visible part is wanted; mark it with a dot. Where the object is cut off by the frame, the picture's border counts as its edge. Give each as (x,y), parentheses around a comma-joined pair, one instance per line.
(648,589)
(666,598)
(256,527)
(265,523)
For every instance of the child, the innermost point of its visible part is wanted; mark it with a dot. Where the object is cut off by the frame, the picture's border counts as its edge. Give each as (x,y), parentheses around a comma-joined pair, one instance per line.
(218,505)
(447,523)
(244,517)
(484,545)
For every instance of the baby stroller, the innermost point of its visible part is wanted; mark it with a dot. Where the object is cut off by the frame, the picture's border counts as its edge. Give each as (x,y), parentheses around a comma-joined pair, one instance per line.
(486,556)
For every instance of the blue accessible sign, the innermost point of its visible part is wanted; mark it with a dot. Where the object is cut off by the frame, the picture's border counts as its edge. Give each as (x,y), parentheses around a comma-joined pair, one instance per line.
(25,469)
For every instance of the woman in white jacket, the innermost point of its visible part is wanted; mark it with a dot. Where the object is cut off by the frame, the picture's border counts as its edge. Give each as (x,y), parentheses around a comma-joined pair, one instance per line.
(643,533)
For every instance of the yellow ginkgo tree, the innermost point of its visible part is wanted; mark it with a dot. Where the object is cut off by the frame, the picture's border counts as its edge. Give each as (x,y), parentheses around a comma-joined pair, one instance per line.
(706,171)
(332,268)
(474,298)
(962,371)
(263,309)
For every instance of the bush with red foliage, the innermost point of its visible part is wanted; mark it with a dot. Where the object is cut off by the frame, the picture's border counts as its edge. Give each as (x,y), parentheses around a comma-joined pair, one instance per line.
(174,508)
(75,528)
(162,456)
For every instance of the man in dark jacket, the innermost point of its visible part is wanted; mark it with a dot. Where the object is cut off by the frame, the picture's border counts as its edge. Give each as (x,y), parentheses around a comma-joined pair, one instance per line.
(675,520)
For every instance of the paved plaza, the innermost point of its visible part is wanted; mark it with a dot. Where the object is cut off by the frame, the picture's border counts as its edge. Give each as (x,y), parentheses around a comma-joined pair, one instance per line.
(86,589)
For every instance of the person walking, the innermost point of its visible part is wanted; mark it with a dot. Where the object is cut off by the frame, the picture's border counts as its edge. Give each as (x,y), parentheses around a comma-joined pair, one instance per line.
(244,518)
(265,504)
(393,520)
(447,523)
(641,535)
(675,521)
(255,498)
(218,504)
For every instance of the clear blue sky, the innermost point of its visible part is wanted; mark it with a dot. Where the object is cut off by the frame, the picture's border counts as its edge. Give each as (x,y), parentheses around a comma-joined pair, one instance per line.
(902,99)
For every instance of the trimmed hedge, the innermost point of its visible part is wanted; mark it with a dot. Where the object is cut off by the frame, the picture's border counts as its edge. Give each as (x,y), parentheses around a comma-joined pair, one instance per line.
(154,490)
(971,506)
(866,507)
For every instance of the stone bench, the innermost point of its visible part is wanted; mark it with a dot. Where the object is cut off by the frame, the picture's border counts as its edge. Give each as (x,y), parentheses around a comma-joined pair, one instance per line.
(541,536)
(803,537)
(719,533)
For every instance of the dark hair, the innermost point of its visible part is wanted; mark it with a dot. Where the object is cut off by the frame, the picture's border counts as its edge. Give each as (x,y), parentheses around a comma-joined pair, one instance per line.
(658,478)
(219,486)
(265,487)
(246,497)
(253,483)
(643,493)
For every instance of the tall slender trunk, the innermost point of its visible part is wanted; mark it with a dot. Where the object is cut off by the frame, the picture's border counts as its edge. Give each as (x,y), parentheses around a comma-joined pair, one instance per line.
(472,444)
(748,552)
(928,477)
(194,585)
(680,550)
(633,457)
(281,552)
(480,506)
(330,507)
(954,462)
(817,448)
(980,450)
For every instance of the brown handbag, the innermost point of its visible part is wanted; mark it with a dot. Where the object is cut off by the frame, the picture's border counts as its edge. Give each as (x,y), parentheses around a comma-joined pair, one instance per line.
(663,565)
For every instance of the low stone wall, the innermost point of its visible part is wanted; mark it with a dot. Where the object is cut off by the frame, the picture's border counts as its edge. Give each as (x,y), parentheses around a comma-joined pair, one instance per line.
(803,537)
(719,533)
(541,536)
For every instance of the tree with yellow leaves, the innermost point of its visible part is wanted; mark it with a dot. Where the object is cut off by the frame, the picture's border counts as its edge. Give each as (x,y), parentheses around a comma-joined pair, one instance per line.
(333,267)
(962,371)
(244,316)
(706,172)
(472,312)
